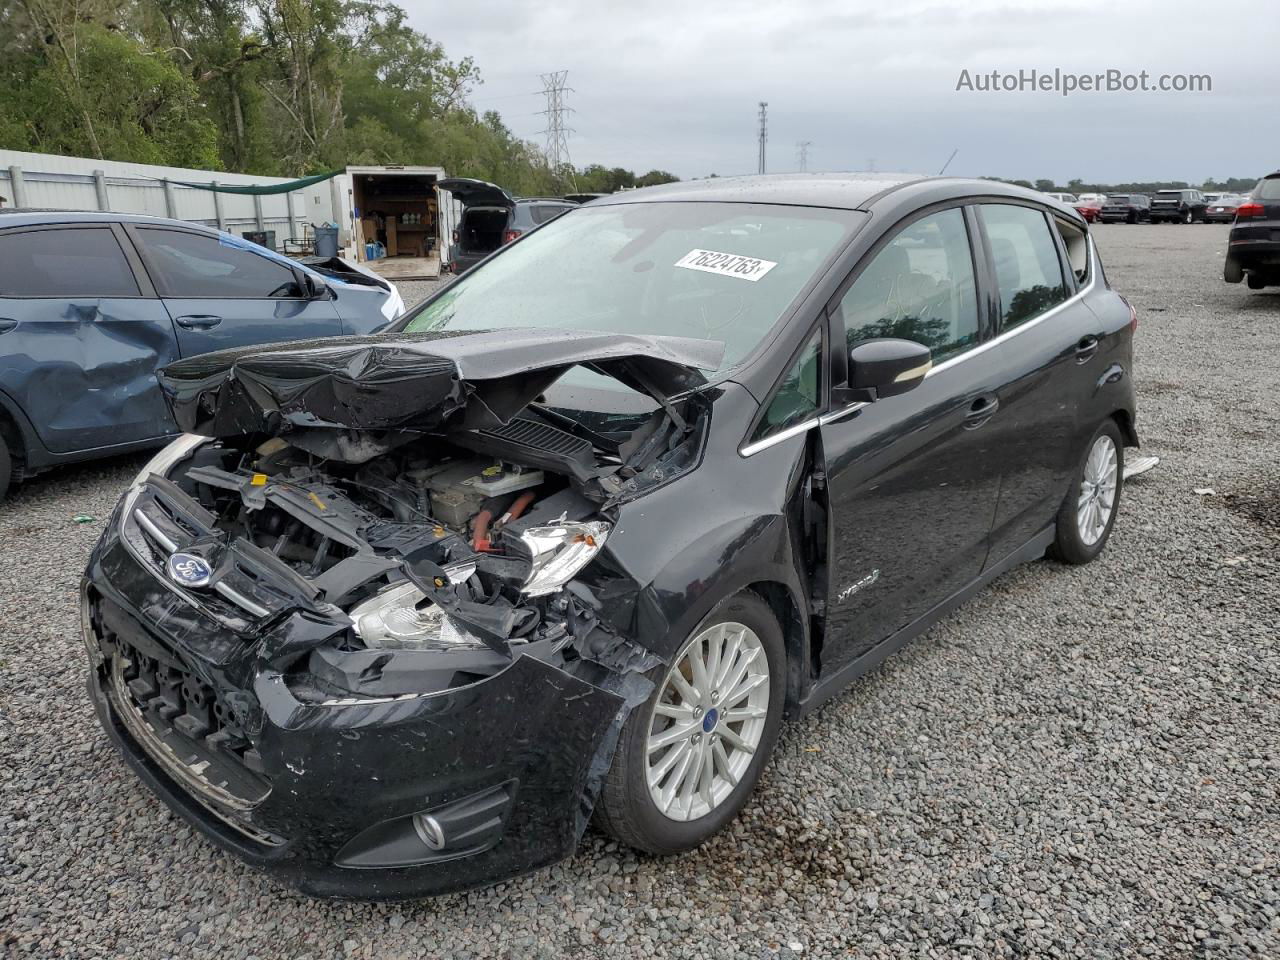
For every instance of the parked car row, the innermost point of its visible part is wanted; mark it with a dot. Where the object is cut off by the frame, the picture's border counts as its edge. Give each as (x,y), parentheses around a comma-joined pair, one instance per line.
(1166,206)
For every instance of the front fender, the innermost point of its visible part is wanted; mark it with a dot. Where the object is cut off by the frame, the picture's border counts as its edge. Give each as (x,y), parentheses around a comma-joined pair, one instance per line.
(678,552)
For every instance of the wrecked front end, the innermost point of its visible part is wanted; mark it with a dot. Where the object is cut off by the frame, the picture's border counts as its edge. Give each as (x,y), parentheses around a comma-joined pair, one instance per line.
(338,628)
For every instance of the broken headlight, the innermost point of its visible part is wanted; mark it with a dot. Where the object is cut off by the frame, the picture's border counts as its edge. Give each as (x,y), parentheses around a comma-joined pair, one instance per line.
(559,551)
(402,618)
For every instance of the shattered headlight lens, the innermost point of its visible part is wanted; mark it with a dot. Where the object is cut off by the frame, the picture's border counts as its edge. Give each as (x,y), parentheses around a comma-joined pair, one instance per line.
(163,461)
(559,551)
(402,618)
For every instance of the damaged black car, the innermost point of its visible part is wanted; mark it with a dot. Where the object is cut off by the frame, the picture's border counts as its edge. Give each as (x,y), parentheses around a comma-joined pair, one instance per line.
(401,613)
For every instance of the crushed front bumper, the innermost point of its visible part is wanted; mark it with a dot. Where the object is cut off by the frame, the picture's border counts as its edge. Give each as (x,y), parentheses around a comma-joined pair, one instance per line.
(335,793)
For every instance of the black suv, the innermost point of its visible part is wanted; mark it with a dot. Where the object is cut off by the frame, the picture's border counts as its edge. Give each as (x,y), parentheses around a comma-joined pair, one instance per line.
(1253,250)
(1126,208)
(1178,206)
(491,218)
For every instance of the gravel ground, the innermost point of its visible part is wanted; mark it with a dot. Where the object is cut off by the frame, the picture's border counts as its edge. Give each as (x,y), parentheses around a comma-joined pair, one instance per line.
(1081,762)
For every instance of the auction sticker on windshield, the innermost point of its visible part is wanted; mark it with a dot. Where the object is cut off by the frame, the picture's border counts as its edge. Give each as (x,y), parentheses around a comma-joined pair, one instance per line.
(726,264)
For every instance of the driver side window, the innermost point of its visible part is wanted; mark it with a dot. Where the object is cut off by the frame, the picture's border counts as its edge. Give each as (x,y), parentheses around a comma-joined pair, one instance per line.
(919,287)
(184,264)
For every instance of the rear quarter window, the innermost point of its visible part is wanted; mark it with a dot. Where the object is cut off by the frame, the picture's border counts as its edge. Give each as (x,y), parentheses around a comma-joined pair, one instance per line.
(1268,189)
(81,262)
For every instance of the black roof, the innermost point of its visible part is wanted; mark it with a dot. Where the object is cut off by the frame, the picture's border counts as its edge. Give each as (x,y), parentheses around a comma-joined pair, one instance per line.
(848,191)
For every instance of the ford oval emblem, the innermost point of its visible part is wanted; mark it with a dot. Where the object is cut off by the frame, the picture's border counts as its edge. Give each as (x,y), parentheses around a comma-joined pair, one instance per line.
(189,570)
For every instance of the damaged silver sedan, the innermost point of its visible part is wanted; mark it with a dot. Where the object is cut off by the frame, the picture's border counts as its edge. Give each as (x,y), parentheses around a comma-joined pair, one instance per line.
(400,613)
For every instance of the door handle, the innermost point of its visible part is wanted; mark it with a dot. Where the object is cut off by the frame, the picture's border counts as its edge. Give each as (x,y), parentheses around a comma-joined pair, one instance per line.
(6,324)
(1086,348)
(981,410)
(198,321)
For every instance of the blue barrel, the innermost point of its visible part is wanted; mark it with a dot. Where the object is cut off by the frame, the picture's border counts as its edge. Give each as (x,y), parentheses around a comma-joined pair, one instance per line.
(326,241)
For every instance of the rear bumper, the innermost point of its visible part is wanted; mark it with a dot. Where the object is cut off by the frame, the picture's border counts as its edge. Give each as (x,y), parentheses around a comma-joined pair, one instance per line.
(462,262)
(1117,216)
(509,764)
(1255,254)
(1170,216)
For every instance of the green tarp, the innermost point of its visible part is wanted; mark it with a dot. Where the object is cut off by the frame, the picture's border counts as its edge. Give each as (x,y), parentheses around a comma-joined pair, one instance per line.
(261,191)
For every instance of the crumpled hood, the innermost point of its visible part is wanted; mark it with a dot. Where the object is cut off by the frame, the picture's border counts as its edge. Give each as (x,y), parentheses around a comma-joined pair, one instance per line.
(414,381)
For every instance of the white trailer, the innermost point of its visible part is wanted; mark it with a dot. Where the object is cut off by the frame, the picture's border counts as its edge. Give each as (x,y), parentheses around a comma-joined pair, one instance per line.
(402,209)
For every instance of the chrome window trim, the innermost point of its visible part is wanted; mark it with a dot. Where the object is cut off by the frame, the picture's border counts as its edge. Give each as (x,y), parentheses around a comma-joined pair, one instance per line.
(823,419)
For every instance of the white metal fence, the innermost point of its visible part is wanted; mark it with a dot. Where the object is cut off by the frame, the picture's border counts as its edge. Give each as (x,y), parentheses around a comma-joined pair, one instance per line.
(40,180)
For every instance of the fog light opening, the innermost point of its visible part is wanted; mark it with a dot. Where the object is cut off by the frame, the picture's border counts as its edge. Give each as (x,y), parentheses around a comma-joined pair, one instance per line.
(429,830)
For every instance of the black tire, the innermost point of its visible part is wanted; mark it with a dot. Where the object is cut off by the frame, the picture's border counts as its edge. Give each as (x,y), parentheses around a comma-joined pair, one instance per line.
(6,468)
(1189,217)
(1132,218)
(1232,272)
(627,811)
(1068,545)
(1256,281)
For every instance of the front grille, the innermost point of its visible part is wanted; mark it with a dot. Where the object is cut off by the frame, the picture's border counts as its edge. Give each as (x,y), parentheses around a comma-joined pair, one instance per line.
(189,729)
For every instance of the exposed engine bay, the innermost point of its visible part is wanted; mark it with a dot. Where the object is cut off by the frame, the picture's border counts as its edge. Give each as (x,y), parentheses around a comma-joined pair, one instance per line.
(404,547)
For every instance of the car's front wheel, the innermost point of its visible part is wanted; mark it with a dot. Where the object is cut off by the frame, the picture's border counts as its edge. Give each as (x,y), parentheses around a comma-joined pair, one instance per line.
(689,757)
(1088,513)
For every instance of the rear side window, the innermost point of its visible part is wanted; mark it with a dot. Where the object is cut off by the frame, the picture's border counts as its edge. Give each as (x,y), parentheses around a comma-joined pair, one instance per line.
(1028,270)
(1077,245)
(541,212)
(919,287)
(199,265)
(64,263)
(797,397)
(1268,189)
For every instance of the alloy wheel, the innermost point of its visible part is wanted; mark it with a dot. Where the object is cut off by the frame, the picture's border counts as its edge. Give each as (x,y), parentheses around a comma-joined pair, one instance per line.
(1097,490)
(708,721)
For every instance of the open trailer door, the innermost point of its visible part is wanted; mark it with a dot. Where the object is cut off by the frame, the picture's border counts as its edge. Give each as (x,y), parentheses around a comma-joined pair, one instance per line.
(397,226)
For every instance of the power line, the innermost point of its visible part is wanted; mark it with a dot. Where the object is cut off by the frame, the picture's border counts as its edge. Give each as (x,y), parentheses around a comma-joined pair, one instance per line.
(764,131)
(557,134)
(802,151)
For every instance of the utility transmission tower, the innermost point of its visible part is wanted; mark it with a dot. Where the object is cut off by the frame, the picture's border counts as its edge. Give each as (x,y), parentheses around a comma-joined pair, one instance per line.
(802,150)
(557,134)
(764,131)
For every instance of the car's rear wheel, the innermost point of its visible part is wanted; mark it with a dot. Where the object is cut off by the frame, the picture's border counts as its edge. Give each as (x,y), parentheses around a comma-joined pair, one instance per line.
(1256,281)
(689,757)
(1188,217)
(6,468)
(1232,272)
(1088,513)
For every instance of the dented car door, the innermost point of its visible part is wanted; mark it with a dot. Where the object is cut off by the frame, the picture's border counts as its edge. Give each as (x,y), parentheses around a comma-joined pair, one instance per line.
(82,338)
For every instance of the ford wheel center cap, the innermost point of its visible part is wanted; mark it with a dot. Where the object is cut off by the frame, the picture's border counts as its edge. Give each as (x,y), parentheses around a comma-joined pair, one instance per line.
(189,570)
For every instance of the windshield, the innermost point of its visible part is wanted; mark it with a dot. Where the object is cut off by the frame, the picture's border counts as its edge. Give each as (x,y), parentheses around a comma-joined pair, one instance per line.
(714,271)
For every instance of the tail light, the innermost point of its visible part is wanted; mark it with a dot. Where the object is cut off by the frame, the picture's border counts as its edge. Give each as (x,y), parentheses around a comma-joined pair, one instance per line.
(1247,210)
(1133,316)
(510,236)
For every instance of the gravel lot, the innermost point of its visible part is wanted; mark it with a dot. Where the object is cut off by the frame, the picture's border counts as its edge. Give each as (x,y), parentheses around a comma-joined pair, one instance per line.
(1081,762)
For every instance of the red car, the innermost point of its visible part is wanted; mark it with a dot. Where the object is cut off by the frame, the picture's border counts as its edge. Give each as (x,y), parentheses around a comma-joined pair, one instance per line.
(1088,209)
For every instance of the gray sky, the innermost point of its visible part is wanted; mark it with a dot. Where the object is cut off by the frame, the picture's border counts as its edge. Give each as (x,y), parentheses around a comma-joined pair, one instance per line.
(674,84)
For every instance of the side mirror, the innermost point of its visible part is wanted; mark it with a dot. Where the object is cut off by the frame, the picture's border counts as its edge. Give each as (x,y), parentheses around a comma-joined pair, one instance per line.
(884,368)
(316,289)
